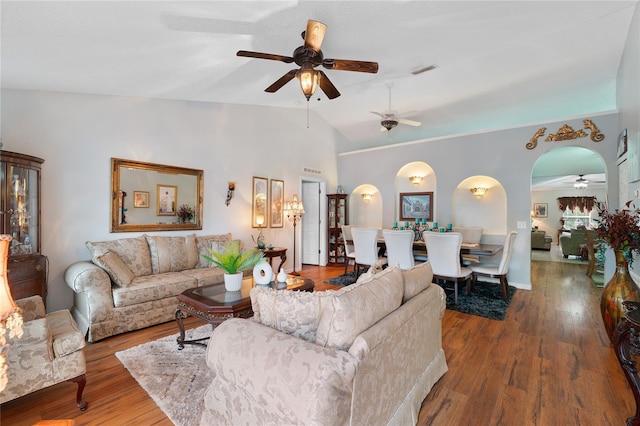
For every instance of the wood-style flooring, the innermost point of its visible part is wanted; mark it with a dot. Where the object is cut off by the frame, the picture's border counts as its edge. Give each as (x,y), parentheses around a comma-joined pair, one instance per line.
(548,363)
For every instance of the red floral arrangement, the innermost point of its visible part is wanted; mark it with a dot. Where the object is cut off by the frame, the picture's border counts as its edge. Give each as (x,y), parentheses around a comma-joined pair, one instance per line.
(620,229)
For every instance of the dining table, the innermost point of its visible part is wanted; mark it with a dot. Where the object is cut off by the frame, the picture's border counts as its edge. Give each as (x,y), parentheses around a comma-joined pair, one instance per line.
(465,248)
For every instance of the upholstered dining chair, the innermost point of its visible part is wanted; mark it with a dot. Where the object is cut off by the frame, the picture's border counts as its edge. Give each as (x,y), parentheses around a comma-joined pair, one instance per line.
(365,243)
(399,247)
(349,251)
(500,270)
(443,249)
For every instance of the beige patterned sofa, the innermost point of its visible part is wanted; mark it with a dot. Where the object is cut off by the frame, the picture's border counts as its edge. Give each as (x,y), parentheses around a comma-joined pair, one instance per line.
(49,352)
(132,283)
(367,354)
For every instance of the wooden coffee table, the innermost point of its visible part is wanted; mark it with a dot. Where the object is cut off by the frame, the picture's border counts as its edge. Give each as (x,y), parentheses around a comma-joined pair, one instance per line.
(213,304)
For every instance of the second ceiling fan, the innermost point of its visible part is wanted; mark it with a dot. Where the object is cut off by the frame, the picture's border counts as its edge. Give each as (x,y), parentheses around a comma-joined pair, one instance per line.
(390,118)
(308,57)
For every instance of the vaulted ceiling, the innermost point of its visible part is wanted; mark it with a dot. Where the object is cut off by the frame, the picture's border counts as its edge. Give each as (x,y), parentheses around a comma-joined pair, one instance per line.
(499,64)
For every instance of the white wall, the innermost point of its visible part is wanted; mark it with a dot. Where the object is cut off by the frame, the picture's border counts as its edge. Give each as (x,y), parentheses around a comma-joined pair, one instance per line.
(499,154)
(77,135)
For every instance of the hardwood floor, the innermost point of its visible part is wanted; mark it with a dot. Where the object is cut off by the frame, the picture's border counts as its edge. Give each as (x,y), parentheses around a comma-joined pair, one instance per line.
(548,363)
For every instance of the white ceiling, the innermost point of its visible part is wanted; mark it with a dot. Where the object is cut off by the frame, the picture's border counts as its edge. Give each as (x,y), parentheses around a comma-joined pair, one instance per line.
(500,63)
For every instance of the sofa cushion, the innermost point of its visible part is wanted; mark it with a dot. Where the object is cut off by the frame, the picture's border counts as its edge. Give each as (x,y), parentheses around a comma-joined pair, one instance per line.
(115,267)
(206,276)
(353,309)
(134,252)
(172,254)
(152,287)
(203,244)
(292,312)
(416,279)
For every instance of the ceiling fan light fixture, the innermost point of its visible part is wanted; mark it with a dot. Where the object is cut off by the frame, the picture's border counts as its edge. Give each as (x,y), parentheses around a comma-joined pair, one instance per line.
(389,124)
(308,78)
(581,183)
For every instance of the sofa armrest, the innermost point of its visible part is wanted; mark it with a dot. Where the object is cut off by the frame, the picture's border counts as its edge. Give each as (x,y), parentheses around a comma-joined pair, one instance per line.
(255,365)
(32,308)
(92,285)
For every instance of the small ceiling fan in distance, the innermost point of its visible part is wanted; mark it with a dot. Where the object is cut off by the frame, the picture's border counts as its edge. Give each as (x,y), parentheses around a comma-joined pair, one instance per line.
(390,118)
(308,57)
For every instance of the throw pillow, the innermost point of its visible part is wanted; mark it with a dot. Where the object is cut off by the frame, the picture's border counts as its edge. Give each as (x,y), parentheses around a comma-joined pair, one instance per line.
(353,309)
(291,312)
(203,243)
(134,252)
(115,267)
(416,279)
(172,254)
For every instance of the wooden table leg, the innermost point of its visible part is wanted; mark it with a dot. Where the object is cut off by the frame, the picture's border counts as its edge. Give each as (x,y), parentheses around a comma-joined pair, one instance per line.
(626,343)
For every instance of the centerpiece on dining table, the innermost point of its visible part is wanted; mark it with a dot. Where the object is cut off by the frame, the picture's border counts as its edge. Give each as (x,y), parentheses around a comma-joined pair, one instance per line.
(621,231)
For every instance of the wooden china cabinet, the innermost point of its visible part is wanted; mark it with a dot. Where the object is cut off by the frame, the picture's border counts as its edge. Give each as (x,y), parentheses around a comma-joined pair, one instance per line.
(337,216)
(20,218)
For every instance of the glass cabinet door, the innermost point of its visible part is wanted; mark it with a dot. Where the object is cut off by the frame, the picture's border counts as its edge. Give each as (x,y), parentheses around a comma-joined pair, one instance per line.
(22,209)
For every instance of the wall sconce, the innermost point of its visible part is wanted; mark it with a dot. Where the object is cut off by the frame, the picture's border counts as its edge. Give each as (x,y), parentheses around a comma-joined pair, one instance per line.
(479,191)
(367,197)
(416,179)
(231,188)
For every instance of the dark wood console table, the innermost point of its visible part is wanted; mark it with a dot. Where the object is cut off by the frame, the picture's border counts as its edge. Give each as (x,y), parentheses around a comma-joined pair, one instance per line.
(626,341)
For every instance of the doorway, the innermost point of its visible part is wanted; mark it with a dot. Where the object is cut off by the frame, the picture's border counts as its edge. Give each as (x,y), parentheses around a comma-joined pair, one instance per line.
(312,232)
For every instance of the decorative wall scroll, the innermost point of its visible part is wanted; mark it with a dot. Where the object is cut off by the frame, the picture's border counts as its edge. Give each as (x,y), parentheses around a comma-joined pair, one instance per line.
(566,132)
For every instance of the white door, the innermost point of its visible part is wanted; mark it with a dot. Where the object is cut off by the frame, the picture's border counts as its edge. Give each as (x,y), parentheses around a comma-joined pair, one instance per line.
(310,231)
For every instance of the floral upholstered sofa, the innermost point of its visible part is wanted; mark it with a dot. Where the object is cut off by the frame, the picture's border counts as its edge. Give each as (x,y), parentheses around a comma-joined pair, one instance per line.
(367,354)
(132,283)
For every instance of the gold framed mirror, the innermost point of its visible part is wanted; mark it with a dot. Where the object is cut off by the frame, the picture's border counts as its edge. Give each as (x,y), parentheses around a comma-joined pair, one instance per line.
(155,197)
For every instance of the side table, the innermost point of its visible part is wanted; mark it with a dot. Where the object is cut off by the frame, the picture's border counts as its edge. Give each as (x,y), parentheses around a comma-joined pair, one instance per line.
(626,341)
(280,252)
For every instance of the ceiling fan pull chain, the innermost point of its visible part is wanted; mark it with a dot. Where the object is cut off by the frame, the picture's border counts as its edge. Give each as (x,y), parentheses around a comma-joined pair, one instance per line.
(307,113)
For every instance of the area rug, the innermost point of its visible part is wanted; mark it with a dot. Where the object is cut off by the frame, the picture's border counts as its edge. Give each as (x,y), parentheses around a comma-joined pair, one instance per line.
(175,380)
(485,300)
(343,280)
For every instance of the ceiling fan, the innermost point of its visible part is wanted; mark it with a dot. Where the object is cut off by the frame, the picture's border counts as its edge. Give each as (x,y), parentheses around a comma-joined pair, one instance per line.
(582,183)
(390,118)
(308,57)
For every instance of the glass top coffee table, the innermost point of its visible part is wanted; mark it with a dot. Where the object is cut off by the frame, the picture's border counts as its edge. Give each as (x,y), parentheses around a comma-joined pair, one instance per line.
(213,304)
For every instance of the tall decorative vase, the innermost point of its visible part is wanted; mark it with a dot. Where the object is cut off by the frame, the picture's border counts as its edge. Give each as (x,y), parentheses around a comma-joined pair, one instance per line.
(619,289)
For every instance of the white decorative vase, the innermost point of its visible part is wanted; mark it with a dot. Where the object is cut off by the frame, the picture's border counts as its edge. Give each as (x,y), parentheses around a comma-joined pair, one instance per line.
(262,273)
(233,282)
(282,276)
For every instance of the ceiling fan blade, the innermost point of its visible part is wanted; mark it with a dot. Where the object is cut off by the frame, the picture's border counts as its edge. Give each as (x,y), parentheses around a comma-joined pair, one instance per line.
(409,122)
(314,34)
(281,81)
(377,113)
(349,65)
(383,129)
(327,86)
(259,55)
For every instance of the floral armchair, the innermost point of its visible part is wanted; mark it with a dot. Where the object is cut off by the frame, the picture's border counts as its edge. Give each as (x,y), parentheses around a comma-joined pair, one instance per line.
(49,352)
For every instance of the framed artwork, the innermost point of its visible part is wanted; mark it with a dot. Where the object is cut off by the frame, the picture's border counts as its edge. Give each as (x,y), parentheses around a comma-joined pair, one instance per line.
(259,211)
(540,209)
(140,199)
(166,200)
(277,203)
(622,143)
(416,205)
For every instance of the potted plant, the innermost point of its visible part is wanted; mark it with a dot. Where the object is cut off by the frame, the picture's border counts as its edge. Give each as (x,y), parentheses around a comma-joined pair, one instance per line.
(233,260)
(185,213)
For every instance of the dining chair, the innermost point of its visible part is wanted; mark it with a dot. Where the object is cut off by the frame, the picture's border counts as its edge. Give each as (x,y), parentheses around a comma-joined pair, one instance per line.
(349,251)
(365,243)
(443,249)
(399,247)
(498,271)
(471,235)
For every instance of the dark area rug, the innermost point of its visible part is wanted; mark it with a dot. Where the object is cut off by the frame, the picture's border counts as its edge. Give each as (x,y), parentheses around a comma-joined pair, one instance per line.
(485,300)
(343,280)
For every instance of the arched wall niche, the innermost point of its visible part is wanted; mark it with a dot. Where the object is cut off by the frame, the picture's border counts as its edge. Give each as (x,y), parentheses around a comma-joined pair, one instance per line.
(488,211)
(365,214)
(403,184)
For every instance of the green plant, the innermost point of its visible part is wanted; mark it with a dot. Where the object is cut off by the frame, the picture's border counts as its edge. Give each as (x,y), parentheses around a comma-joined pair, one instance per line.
(232,259)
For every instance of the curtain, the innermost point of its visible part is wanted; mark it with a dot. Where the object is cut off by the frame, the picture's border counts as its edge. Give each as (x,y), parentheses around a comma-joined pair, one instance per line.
(584,204)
